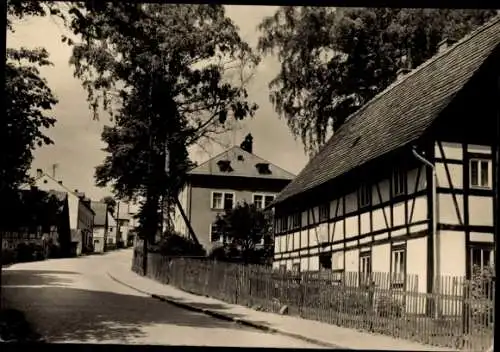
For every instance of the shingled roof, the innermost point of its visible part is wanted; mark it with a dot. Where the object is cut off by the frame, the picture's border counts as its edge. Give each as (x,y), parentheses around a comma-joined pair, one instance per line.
(100,209)
(400,114)
(242,163)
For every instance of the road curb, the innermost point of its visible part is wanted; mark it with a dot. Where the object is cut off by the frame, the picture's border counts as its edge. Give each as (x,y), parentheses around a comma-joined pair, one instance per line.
(225,317)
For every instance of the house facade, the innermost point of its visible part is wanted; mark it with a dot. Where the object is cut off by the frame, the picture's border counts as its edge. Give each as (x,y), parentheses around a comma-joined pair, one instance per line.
(406,185)
(100,229)
(233,176)
(81,215)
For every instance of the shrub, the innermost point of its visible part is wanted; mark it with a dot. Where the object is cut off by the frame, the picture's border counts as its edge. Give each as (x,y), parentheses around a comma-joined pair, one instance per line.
(388,306)
(174,244)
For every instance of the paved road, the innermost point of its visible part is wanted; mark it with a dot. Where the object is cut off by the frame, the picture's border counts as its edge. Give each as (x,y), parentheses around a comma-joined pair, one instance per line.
(74,300)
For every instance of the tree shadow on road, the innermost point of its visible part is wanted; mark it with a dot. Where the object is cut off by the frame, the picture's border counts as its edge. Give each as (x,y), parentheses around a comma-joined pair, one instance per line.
(63,313)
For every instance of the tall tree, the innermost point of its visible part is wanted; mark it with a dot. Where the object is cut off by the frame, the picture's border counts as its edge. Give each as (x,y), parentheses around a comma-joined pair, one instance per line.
(28,100)
(110,202)
(161,71)
(334,60)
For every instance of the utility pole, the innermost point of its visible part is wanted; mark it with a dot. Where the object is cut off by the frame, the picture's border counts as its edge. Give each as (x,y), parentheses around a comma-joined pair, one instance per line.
(117,221)
(54,167)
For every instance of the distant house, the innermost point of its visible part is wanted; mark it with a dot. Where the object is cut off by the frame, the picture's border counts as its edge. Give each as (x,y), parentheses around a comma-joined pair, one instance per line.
(40,218)
(81,215)
(233,176)
(405,186)
(100,229)
(122,216)
(111,234)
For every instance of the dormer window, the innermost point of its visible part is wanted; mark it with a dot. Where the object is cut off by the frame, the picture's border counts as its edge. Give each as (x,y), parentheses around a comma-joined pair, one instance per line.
(225,165)
(263,168)
(240,158)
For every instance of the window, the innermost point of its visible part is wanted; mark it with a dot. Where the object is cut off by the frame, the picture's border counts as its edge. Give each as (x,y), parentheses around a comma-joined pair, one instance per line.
(268,200)
(480,173)
(365,195)
(480,258)
(365,267)
(325,261)
(258,201)
(215,234)
(261,200)
(283,224)
(324,212)
(398,267)
(222,200)
(398,182)
(296,221)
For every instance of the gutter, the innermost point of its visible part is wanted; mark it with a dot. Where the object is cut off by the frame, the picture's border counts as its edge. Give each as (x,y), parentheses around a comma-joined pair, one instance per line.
(434,215)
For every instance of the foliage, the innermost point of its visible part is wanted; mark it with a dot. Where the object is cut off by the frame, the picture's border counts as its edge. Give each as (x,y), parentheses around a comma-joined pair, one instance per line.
(334,60)
(161,72)
(30,209)
(174,244)
(28,102)
(481,290)
(110,202)
(245,226)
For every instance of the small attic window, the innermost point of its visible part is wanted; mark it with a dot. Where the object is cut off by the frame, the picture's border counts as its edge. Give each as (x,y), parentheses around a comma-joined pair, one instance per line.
(240,157)
(225,165)
(263,168)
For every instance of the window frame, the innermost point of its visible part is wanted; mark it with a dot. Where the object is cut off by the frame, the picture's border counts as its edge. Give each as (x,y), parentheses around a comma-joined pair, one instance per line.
(223,193)
(264,196)
(365,190)
(398,174)
(479,173)
(398,277)
(210,234)
(365,263)
(482,248)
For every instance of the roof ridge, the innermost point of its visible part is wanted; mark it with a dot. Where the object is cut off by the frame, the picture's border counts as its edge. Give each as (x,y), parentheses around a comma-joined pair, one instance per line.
(424,64)
(61,184)
(267,161)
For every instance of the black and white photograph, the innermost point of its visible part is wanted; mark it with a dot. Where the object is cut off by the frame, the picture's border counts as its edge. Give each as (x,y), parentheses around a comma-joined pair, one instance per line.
(249,176)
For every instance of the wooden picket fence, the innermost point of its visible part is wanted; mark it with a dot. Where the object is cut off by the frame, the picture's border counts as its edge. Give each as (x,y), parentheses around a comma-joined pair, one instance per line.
(457,314)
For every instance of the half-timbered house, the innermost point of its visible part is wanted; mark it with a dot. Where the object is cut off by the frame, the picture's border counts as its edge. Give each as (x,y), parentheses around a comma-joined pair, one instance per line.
(405,186)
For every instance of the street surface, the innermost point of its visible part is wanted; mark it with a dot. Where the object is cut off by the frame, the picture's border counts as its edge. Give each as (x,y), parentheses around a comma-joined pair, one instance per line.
(74,300)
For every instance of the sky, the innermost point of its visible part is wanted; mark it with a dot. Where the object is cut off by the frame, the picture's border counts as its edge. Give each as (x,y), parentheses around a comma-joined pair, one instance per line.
(77,147)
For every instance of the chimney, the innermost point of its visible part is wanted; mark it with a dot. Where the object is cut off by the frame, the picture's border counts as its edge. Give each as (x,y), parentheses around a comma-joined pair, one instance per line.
(444,44)
(405,67)
(247,144)
(39,173)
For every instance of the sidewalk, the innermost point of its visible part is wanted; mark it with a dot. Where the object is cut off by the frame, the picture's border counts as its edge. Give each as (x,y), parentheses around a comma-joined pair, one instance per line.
(322,334)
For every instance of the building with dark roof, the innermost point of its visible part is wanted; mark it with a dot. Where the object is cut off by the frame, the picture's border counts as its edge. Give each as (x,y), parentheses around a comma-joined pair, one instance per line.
(81,215)
(232,176)
(406,183)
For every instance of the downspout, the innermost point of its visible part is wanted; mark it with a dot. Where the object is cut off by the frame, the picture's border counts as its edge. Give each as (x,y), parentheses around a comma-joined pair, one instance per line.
(434,216)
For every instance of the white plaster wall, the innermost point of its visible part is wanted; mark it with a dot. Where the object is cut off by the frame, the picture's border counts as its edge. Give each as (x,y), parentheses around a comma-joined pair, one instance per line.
(313,263)
(323,232)
(447,212)
(338,260)
(452,243)
(480,211)
(456,175)
(304,264)
(385,190)
(334,211)
(381,258)
(416,254)
(312,238)
(419,209)
(303,239)
(296,240)
(379,219)
(365,222)
(398,214)
(481,237)
(451,150)
(289,240)
(352,260)
(351,226)
(338,230)
(474,148)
